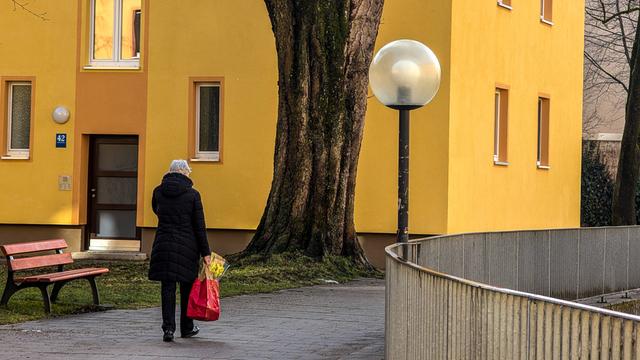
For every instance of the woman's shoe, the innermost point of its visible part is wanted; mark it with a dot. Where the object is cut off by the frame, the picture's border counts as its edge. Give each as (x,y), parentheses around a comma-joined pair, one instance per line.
(191,333)
(168,336)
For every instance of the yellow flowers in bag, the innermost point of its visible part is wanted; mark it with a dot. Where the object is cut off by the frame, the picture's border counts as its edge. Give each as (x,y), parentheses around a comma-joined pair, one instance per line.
(216,269)
(218,266)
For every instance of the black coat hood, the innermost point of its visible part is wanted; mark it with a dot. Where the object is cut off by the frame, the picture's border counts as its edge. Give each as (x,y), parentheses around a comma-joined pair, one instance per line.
(175,184)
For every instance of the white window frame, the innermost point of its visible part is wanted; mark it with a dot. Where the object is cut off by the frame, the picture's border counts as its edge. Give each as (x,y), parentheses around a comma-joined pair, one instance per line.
(539,160)
(496,128)
(542,18)
(206,155)
(17,153)
(496,131)
(117,41)
(506,6)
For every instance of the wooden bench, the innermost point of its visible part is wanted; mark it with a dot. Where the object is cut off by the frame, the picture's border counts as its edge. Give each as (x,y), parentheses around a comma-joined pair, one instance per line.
(42,281)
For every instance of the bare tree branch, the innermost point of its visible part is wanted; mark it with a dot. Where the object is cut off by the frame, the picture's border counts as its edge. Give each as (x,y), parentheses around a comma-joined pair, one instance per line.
(622,32)
(597,65)
(618,13)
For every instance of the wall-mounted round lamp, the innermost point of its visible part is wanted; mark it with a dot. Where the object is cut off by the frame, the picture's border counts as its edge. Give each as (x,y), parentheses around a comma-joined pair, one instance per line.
(60,114)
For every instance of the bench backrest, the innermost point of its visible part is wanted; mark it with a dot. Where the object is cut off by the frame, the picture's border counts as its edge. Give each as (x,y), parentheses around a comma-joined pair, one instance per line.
(33,262)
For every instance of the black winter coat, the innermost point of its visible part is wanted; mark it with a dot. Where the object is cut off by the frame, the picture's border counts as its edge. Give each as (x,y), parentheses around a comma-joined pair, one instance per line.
(181,238)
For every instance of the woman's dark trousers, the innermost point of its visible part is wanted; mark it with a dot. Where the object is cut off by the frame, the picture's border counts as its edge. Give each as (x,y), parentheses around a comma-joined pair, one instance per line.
(169,307)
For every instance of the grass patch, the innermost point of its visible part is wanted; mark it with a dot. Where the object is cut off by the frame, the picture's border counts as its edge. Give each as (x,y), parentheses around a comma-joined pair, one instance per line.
(630,307)
(127,287)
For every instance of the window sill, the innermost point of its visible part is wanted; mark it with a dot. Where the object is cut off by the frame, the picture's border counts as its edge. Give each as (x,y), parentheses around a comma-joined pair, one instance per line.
(110,68)
(543,167)
(500,163)
(204,160)
(14,157)
(545,21)
(504,6)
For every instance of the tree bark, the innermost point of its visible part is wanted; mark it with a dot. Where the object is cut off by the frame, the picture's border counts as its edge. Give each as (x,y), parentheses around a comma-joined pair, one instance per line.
(624,193)
(324,49)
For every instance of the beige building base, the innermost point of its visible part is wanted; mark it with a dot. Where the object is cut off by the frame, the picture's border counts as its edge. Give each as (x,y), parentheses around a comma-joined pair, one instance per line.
(114,245)
(223,242)
(226,242)
(109,255)
(10,234)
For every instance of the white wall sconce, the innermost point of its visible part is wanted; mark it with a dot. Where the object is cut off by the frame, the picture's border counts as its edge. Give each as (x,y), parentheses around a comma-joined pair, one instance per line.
(60,114)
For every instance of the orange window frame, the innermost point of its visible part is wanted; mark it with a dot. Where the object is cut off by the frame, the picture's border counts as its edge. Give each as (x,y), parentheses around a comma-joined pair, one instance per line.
(544,113)
(501,125)
(4,108)
(192,143)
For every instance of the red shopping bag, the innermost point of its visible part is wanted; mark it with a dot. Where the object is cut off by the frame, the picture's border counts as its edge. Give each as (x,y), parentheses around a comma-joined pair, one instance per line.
(204,299)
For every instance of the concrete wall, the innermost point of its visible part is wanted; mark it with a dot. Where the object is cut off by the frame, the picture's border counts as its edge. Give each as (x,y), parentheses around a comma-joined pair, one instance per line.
(433,315)
(227,242)
(608,147)
(567,263)
(10,234)
(222,241)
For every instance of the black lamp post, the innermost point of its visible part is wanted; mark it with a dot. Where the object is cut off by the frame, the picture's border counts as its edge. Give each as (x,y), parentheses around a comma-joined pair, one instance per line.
(404,75)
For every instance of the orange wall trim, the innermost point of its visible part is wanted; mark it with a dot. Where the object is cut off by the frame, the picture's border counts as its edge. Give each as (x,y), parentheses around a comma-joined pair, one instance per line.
(108,102)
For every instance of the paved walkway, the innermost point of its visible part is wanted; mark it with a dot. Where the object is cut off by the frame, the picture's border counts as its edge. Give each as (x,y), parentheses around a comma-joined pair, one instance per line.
(610,299)
(322,322)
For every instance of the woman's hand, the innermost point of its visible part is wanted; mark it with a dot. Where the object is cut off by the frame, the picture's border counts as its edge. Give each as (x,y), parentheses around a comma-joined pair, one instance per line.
(207,260)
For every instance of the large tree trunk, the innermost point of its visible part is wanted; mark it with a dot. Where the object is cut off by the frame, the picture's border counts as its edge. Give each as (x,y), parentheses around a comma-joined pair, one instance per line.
(624,193)
(324,48)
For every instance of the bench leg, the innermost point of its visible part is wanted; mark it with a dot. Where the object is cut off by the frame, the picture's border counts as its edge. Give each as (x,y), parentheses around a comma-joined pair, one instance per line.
(56,289)
(94,290)
(9,290)
(45,298)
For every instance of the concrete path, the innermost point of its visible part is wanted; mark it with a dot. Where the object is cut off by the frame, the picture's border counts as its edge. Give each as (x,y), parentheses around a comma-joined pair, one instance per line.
(322,322)
(611,298)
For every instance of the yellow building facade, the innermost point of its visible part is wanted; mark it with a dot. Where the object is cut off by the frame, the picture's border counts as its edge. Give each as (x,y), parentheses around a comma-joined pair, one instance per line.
(149,81)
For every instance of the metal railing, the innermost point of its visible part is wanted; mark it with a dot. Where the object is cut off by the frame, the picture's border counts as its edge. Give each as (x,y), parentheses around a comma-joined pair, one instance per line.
(436,315)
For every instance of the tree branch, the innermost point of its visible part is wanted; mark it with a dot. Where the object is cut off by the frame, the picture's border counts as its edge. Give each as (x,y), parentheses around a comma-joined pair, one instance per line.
(623,34)
(601,68)
(606,19)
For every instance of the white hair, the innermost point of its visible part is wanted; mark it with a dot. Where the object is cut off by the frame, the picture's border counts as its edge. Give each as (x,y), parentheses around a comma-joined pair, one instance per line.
(180,166)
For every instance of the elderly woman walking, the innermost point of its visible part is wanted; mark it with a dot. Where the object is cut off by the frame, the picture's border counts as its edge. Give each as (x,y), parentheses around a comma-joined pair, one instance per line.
(181,239)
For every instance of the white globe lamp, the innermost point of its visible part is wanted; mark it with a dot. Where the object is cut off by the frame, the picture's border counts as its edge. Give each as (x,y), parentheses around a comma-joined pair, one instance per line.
(60,114)
(405,74)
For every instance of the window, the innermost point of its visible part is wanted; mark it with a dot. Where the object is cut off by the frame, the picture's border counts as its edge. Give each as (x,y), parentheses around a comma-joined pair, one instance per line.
(501,126)
(18,125)
(546,11)
(207,120)
(543,132)
(505,4)
(115,33)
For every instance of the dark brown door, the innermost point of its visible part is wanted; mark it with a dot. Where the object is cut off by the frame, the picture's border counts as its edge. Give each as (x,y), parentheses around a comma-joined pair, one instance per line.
(113,185)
